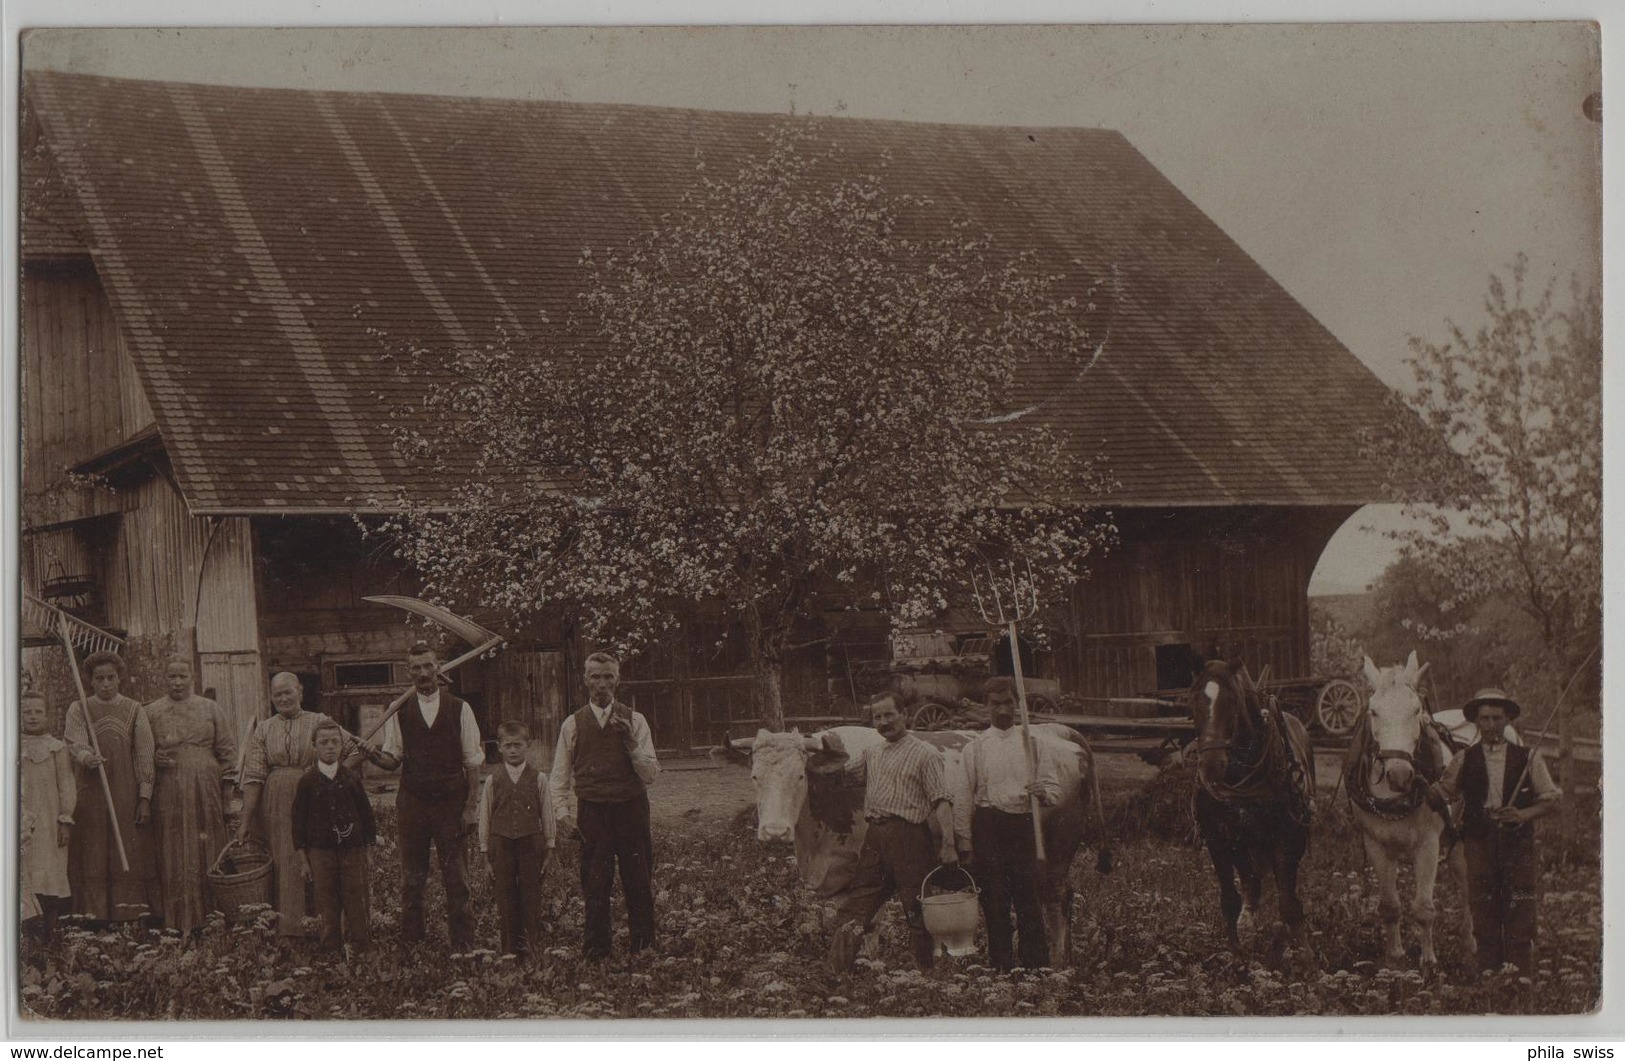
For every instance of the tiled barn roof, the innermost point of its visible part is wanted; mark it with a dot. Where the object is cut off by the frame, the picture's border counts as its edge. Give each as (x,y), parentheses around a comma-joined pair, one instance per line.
(255,242)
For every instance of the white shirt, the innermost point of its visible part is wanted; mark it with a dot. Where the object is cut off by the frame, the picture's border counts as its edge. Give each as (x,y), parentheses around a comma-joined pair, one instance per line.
(429,710)
(562,785)
(329,770)
(996,775)
(1495,770)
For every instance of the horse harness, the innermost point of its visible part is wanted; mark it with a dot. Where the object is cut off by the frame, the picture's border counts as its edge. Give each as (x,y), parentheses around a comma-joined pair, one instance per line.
(1356,776)
(1261,782)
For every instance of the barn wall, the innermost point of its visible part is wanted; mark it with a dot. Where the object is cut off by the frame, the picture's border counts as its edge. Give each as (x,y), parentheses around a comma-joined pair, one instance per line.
(80,394)
(162,560)
(313,576)
(1228,581)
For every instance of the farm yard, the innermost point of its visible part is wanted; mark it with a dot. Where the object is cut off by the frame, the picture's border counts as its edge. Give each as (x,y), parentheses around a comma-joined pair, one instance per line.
(740,938)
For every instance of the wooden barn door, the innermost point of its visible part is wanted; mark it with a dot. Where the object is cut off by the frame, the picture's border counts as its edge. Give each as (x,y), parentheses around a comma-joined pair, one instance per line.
(526,684)
(235,681)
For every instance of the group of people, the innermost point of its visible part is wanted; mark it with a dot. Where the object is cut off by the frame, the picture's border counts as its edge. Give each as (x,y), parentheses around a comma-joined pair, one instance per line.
(123,816)
(1503,789)
(124,813)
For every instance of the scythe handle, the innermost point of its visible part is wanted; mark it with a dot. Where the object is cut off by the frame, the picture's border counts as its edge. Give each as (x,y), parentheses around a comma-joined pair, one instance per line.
(1547,725)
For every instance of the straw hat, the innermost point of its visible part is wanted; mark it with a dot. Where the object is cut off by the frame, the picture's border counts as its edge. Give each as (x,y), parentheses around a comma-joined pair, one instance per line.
(1494,697)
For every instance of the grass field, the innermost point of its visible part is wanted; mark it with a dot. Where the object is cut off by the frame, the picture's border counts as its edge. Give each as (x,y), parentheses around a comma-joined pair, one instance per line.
(740,938)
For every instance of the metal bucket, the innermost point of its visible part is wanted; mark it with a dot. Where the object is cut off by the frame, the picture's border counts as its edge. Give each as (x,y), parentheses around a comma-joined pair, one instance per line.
(951,917)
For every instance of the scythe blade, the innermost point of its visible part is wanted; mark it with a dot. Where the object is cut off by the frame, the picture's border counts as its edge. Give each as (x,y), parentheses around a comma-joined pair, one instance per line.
(482,639)
(468,630)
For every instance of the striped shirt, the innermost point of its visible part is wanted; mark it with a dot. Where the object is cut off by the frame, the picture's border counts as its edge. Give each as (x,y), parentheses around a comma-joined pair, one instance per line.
(903,778)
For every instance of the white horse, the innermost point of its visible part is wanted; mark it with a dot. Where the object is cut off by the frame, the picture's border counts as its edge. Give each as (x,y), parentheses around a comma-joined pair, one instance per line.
(1391,761)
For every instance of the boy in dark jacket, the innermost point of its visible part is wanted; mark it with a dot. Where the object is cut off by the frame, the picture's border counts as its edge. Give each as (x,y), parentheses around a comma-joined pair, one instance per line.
(332,828)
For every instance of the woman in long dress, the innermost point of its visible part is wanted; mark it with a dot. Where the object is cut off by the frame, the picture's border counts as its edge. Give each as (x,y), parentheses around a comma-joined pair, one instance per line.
(103,890)
(196,757)
(279,752)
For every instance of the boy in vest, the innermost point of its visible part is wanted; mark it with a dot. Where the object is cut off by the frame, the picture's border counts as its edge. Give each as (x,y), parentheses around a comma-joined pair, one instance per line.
(332,828)
(1505,788)
(516,833)
(602,768)
(435,742)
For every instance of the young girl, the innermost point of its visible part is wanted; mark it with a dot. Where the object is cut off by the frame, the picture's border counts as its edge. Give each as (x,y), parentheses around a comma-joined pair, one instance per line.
(49,794)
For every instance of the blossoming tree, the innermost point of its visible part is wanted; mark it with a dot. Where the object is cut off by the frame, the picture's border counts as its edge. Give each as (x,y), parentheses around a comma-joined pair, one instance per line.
(789,396)
(1512,512)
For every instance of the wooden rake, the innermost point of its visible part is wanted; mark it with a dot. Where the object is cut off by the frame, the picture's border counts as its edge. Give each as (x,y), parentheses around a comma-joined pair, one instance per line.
(70,630)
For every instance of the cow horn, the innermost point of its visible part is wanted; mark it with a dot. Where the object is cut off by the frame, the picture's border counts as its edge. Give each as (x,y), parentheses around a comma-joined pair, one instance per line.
(735,749)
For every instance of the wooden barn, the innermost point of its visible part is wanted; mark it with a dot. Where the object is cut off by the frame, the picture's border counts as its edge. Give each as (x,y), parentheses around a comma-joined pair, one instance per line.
(211,275)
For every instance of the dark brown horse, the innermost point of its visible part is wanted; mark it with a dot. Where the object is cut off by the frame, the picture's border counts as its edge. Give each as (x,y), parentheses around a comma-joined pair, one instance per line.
(1253,797)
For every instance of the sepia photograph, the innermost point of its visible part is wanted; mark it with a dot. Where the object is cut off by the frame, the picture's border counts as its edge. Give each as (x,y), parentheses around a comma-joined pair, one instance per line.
(543,527)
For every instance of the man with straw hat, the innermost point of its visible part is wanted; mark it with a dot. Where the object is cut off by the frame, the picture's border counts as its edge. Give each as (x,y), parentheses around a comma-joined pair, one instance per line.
(1506,787)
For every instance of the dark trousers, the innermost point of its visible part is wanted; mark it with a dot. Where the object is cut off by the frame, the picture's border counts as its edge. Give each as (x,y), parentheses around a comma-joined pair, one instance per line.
(1502,876)
(1006,871)
(339,877)
(896,856)
(421,822)
(611,834)
(516,872)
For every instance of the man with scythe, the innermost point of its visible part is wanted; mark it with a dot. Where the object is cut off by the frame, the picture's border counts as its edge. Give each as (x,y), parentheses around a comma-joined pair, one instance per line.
(434,740)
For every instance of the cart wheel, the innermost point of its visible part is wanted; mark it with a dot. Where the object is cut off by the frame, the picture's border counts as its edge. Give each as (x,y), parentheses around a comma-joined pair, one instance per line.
(931,715)
(1337,706)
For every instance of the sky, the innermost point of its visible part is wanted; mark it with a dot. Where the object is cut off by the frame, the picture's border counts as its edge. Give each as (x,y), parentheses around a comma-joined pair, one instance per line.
(1380,173)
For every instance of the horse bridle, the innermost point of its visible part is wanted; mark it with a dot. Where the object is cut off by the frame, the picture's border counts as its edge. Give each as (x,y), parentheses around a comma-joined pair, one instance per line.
(1205,745)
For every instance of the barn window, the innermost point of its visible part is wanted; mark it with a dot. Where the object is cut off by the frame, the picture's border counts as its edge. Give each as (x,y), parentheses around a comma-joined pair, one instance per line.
(1176,665)
(361,675)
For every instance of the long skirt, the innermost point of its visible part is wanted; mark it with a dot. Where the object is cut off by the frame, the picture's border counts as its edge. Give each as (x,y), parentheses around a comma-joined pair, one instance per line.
(191,831)
(274,828)
(103,889)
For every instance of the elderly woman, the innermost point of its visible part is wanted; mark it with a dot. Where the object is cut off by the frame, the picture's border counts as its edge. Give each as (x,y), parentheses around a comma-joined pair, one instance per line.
(103,889)
(279,752)
(196,757)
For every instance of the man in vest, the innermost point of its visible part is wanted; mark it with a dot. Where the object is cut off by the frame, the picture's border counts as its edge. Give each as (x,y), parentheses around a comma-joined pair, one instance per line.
(1505,787)
(435,742)
(602,769)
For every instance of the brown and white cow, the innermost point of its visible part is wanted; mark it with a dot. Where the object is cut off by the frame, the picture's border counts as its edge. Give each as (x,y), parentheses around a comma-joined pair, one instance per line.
(805,796)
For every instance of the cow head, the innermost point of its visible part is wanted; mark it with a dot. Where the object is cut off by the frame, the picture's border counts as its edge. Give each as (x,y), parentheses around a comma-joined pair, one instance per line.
(778,768)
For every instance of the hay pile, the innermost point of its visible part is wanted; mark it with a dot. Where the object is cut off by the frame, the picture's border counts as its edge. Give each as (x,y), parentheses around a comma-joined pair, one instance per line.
(1161,808)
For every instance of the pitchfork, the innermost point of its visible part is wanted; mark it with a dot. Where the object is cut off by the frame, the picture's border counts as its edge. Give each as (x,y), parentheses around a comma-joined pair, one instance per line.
(1005,599)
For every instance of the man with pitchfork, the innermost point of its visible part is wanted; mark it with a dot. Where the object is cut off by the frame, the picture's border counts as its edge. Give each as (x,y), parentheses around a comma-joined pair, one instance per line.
(1506,788)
